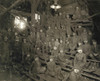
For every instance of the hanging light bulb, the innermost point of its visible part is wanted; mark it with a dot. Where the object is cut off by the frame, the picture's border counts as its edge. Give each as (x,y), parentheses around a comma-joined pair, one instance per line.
(55,6)
(20,22)
(37,17)
(22,25)
(17,20)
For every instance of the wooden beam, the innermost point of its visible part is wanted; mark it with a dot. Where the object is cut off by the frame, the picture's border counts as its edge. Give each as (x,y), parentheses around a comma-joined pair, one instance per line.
(12,6)
(20,13)
(16,12)
(93,15)
(2,8)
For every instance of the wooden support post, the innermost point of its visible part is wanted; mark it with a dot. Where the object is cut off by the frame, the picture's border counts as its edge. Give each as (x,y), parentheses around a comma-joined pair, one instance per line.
(32,12)
(34,5)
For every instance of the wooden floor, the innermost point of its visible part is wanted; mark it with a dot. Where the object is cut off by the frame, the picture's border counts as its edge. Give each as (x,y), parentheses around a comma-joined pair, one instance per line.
(6,74)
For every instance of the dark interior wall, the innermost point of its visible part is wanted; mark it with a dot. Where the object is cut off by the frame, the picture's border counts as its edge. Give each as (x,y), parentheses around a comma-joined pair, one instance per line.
(97,28)
(94,8)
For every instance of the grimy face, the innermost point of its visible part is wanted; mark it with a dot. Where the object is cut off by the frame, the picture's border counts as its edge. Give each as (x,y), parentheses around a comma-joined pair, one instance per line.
(79,44)
(36,59)
(90,33)
(80,50)
(74,34)
(77,8)
(76,70)
(56,39)
(49,27)
(79,26)
(51,59)
(68,16)
(94,43)
(41,30)
(60,13)
(61,41)
(61,51)
(85,41)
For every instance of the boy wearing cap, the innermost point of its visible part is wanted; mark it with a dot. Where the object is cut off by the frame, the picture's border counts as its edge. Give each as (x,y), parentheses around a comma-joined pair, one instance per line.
(79,63)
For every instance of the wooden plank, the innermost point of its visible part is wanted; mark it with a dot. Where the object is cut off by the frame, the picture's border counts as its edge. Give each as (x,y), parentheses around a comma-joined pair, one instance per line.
(27,74)
(86,75)
(87,59)
(80,20)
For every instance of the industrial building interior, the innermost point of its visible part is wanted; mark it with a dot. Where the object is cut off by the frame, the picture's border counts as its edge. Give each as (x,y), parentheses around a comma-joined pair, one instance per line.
(49,40)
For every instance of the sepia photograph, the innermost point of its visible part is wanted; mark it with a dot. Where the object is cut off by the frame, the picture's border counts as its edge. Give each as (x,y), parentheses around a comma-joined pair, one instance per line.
(49,40)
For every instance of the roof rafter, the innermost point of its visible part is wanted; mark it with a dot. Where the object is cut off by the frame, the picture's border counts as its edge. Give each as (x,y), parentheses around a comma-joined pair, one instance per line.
(12,6)
(13,11)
